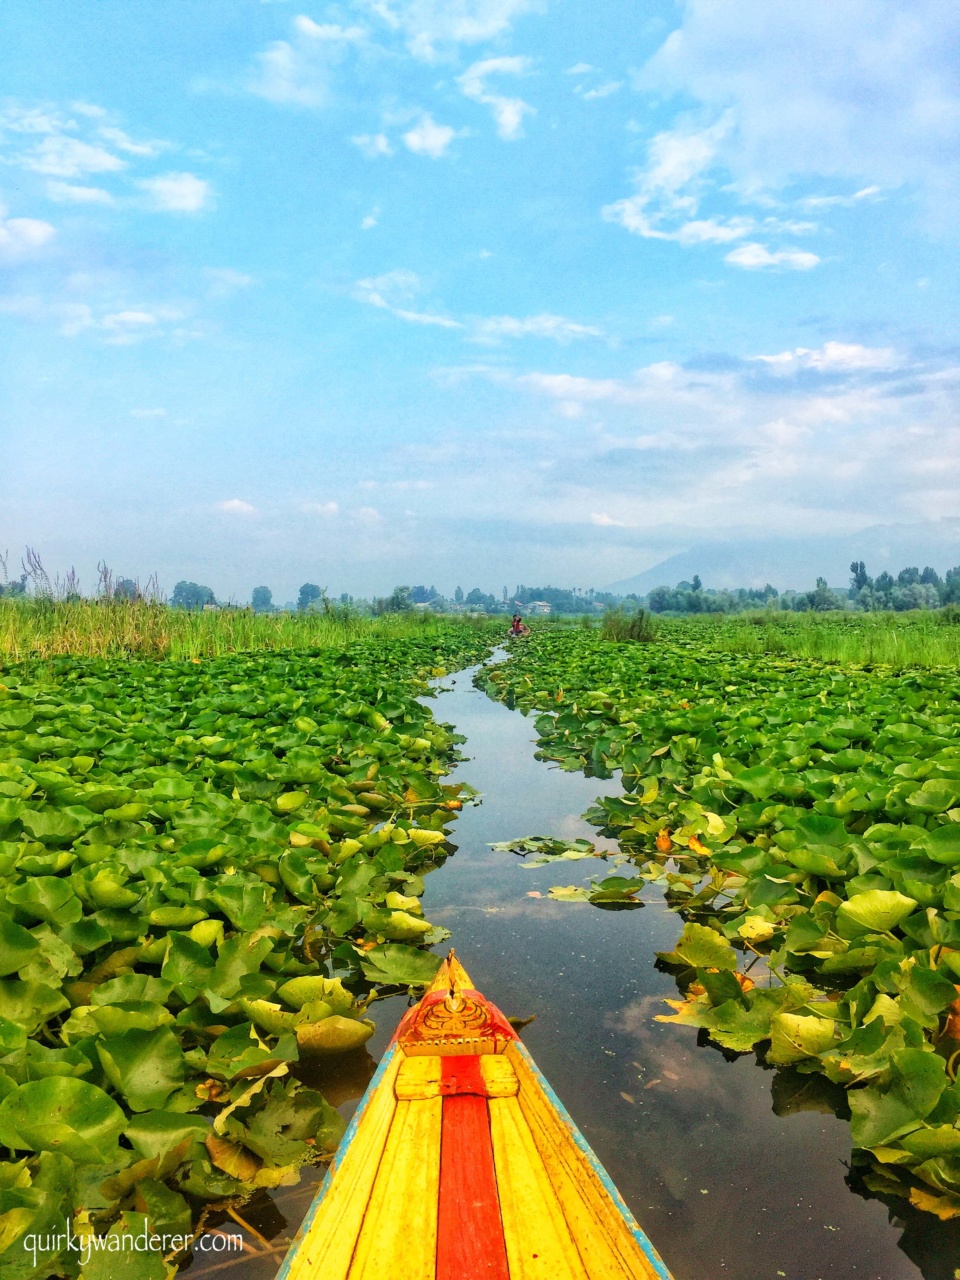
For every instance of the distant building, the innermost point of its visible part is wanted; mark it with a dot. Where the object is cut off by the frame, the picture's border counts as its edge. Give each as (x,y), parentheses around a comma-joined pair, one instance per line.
(539,606)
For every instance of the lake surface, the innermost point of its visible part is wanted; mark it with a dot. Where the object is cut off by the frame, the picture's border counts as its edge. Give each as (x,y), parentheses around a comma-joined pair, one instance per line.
(726,1189)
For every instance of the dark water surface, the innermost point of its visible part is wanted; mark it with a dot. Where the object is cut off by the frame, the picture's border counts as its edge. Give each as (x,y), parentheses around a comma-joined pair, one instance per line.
(726,1189)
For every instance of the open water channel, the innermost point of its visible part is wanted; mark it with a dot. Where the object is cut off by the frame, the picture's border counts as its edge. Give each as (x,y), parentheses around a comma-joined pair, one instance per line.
(725,1188)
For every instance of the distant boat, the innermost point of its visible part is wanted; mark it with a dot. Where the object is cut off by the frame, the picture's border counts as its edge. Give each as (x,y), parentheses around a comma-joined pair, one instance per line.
(462,1164)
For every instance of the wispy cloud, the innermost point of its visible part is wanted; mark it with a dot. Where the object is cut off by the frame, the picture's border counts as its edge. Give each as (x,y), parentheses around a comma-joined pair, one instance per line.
(845,357)
(373,145)
(63,156)
(557,328)
(872,92)
(431,27)
(296,72)
(863,433)
(671,188)
(68,145)
(389,292)
(115,326)
(22,238)
(427,138)
(71,193)
(507,112)
(756,257)
(828,202)
(177,193)
(601,91)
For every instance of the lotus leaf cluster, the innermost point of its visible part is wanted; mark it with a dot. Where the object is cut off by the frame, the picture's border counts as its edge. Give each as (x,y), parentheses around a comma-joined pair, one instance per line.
(207,870)
(804,817)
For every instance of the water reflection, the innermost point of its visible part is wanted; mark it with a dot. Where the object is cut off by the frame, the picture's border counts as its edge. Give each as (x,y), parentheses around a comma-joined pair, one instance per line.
(724,1186)
(729,1179)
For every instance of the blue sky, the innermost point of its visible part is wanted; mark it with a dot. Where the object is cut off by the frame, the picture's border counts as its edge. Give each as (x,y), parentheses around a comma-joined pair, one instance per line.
(472,291)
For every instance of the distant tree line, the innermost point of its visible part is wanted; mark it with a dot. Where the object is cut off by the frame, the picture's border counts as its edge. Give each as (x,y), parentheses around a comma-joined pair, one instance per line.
(912,588)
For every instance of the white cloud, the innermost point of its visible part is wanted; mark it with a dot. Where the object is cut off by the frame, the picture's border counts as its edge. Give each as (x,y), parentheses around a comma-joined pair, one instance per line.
(126,327)
(670,187)
(826,202)
(285,77)
(373,145)
(867,434)
(558,328)
(429,138)
(390,291)
(327,31)
(370,220)
(864,90)
(843,357)
(602,91)
(62,156)
(71,193)
(579,69)
(116,327)
(431,25)
(177,193)
(237,507)
(22,238)
(710,231)
(123,142)
(325,509)
(756,257)
(367,515)
(296,72)
(507,112)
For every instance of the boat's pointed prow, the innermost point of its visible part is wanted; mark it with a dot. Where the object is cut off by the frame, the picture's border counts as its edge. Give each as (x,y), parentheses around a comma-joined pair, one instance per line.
(461,1164)
(453,1018)
(451,976)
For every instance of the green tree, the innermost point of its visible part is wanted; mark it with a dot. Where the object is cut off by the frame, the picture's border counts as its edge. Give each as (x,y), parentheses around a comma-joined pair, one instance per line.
(309,592)
(398,601)
(822,598)
(660,599)
(262,600)
(696,584)
(191,595)
(458,595)
(859,578)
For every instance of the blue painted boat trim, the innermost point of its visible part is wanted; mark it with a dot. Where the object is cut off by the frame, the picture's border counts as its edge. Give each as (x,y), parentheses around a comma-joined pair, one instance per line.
(286,1270)
(635,1229)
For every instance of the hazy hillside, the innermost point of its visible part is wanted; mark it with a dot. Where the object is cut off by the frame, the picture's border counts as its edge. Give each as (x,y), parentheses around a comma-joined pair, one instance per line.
(797,562)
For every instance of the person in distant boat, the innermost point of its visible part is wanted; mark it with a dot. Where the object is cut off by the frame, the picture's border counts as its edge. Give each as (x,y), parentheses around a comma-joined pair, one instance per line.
(518,627)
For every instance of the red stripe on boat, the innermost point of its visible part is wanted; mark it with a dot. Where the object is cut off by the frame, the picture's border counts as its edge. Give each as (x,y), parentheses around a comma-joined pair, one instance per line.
(470,1244)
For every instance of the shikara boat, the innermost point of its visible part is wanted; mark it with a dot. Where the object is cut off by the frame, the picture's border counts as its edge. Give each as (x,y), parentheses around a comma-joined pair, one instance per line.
(462,1164)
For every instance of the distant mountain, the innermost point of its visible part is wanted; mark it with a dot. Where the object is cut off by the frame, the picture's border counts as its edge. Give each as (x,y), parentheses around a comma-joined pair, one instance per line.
(797,562)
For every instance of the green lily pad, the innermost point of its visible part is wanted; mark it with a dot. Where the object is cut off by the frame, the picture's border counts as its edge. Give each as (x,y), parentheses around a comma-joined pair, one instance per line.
(62,1114)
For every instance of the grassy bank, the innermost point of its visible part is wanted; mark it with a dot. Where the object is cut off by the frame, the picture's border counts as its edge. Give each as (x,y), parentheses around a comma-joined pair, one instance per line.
(38,629)
(929,638)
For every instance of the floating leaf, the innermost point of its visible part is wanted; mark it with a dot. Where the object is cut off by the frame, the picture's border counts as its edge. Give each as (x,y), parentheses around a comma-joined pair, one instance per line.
(876,911)
(62,1114)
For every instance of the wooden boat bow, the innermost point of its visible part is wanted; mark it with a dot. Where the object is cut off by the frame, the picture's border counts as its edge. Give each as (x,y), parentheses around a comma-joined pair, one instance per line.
(462,1164)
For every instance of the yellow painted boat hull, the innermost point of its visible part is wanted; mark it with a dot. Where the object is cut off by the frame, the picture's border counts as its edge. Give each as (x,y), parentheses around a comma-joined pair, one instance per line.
(462,1164)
